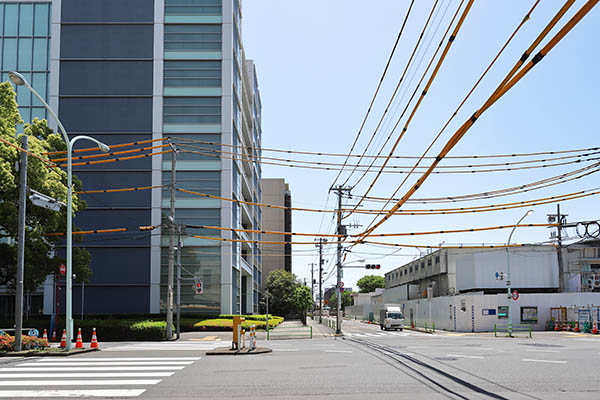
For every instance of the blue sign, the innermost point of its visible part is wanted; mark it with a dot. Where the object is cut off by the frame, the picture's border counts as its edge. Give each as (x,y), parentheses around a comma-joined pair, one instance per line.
(488,311)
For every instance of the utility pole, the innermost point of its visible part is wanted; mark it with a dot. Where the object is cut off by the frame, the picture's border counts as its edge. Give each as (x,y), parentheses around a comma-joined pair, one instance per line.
(171,266)
(561,220)
(179,250)
(341,231)
(312,288)
(321,262)
(21,246)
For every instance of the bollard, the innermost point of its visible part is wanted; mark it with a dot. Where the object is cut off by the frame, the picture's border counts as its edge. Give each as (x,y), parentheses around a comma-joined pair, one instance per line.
(237,326)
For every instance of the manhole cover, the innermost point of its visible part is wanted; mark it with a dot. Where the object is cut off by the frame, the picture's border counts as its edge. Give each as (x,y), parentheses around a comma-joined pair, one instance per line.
(445,358)
(541,345)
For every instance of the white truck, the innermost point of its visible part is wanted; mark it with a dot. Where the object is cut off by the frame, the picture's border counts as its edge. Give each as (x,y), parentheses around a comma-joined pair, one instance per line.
(390,317)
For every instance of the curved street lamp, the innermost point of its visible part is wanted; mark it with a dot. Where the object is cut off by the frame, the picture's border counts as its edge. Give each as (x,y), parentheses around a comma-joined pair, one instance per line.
(508,282)
(19,80)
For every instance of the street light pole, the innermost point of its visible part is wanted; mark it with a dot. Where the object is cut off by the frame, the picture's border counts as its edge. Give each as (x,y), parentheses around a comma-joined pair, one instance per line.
(508,282)
(19,80)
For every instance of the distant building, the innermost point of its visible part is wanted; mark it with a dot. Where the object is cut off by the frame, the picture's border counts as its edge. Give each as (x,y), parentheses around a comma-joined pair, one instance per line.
(276,256)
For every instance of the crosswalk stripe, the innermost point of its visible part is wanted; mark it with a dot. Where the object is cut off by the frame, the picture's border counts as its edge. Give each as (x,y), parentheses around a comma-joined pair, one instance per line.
(88,382)
(371,334)
(116,363)
(87,375)
(95,359)
(28,394)
(91,368)
(202,347)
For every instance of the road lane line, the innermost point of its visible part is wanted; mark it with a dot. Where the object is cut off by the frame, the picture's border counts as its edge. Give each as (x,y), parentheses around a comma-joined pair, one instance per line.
(29,394)
(477,348)
(544,351)
(462,356)
(87,375)
(90,368)
(371,334)
(545,361)
(88,382)
(360,335)
(286,349)
(338,351)
(44,360)
(116,363)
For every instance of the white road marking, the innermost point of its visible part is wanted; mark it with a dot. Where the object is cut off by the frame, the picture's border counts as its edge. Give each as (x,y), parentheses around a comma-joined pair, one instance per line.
(188,348)
(338,351)
(72,363)
(419,347)
(123,359)
(286,349)
(545,361)
(399,333)
(89,382)
(371,334)
(360,335)
(477,348)
(87,375)
(41,368)
(28,394)
(544,351)
(462,356)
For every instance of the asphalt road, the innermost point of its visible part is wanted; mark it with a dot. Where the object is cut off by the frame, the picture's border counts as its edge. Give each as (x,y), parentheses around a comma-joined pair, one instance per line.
(365,364)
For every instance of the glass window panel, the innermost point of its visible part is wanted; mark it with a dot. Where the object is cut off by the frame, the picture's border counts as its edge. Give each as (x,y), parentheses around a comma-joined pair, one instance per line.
(1,17)
(192,28)
(38,112)
(26,20)
(192,46)
(39,84)
(10,54)
(23,94)
(25,114)
(11,12)
(40,54)
(25,54)
(192,101)
(41,20)
(192,10)
(193,2)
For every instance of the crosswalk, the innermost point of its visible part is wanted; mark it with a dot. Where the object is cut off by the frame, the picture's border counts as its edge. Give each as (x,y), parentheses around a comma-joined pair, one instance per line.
(167,346)
(87,377)
(388,334)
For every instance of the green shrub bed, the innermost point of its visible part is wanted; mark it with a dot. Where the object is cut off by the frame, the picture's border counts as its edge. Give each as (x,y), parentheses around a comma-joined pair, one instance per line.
(224,323)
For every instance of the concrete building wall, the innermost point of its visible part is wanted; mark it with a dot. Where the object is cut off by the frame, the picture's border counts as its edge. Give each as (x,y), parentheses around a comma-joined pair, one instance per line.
(273,219)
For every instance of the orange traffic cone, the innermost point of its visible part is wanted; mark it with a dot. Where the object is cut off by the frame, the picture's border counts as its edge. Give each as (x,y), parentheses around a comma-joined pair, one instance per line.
(94,344)
(577,326)
(79,343)
(54,335)
(595,328)
(45,336)
(63,341)
(556,326)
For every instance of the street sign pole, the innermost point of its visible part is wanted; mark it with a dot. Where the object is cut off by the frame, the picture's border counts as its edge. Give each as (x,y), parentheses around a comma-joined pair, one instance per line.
(21,246)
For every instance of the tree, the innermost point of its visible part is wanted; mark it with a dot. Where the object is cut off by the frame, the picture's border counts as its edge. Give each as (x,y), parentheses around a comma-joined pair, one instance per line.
(369,283)
(346,300)
(303,300)
(39,221)
(281,286)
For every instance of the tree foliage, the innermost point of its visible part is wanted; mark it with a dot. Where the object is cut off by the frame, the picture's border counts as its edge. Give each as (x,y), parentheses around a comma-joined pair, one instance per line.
(346,300)
(281,286)
(369,283)
(302,298)
(39,221)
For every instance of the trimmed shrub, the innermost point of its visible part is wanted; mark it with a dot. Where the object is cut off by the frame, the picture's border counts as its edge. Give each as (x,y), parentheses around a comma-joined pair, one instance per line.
(226,324)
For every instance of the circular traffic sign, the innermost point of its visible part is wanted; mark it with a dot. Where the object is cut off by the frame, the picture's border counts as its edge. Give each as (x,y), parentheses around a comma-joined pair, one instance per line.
(515,295)
(62,269)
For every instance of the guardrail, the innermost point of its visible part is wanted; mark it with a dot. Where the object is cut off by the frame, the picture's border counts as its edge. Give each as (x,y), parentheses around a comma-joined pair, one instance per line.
(515,328)
(290,332)
(425,326)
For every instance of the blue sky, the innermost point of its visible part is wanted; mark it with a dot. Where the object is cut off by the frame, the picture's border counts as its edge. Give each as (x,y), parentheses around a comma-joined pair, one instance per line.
(319,62)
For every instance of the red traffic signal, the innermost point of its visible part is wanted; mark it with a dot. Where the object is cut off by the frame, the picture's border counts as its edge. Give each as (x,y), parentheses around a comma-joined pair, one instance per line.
(373,266)
(198,287)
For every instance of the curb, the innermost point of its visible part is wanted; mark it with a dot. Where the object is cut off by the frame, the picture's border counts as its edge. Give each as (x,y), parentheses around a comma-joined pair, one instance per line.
(33,353)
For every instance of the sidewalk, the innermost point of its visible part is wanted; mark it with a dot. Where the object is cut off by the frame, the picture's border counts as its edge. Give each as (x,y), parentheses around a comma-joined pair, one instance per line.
(319,330)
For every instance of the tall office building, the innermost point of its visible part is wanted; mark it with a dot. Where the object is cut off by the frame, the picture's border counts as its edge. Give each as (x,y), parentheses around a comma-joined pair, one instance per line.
(135,70)
(278,255)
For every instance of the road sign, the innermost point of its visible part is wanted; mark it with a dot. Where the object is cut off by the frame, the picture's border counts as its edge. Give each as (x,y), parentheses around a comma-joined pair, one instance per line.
(62,269)
(515,295)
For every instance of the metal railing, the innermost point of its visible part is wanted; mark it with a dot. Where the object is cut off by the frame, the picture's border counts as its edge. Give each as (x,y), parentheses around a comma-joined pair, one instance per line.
(424,326)
(518,328)
(290,332)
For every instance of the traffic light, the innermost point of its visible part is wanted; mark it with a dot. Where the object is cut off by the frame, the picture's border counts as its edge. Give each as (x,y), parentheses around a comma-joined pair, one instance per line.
(198,287)
(372,266)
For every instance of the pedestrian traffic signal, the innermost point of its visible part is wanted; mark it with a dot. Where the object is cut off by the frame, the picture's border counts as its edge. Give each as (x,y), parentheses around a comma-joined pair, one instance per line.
(372,266)
(198,287)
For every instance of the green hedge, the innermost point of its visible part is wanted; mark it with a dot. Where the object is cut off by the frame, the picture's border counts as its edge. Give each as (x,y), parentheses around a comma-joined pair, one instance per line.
(226,324)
